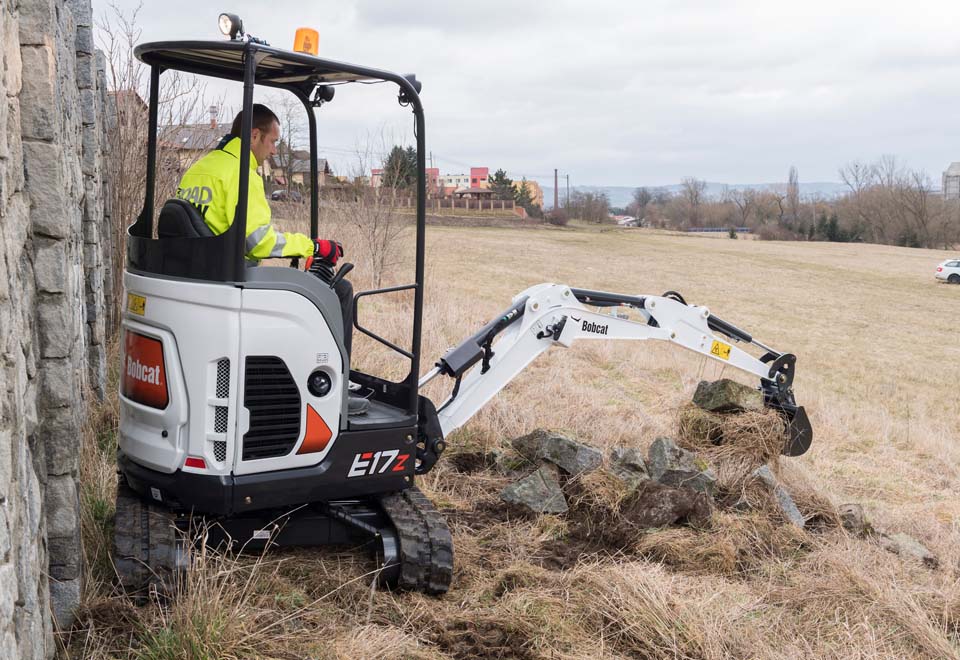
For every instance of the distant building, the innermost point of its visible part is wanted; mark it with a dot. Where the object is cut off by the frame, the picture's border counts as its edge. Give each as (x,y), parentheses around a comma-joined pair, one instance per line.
(951,182)
(297,170)
(479,177)
(192,141)
(534,189)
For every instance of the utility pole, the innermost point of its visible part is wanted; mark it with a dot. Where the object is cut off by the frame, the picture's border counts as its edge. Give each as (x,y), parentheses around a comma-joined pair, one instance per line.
(568,191)
(556,191)
(431,160)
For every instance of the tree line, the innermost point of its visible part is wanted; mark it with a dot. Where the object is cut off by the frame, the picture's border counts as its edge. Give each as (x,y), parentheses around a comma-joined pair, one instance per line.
(885,202)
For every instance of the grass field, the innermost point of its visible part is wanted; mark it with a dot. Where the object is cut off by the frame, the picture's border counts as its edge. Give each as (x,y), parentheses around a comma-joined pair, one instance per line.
(878,346)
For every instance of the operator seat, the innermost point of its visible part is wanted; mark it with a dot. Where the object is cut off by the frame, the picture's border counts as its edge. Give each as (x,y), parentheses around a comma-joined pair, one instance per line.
(181,219)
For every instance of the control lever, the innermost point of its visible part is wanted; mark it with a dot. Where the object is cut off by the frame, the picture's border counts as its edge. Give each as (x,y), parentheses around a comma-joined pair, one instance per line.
(344,269)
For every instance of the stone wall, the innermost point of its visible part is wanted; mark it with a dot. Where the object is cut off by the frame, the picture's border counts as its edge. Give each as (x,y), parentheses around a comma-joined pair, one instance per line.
(51,307)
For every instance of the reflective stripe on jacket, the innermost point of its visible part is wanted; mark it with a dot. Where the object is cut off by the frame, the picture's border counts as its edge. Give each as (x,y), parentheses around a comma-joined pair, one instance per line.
(212,184)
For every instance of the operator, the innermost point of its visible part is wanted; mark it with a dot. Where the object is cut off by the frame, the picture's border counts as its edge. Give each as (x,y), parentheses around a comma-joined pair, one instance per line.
(212,185)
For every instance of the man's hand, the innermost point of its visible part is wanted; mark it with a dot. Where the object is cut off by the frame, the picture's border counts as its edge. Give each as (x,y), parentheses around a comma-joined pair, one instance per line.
(327,250)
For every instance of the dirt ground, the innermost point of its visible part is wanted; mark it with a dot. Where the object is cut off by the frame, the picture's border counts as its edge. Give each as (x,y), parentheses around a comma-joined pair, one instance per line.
(877,340)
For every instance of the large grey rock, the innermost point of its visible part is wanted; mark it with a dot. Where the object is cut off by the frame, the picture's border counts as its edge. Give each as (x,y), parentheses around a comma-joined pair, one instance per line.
(571,456)
(780,495)
(725,395)
(628,466)
(656,505)
(672,466)
(540,492)
(908,547)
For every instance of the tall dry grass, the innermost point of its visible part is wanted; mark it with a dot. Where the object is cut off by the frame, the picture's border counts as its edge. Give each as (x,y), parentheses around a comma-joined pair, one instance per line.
(873,334)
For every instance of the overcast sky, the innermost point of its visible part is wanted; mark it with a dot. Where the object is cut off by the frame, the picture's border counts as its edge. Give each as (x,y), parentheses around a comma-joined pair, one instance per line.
(630,92)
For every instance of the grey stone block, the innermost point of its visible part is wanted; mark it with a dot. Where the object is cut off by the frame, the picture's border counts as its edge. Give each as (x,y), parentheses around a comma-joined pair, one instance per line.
(84,40)
(726,395)
(786,504)
(88,109)
(910,548)
(64,598)
(59,383)
(64,552)
(571,456)
(50,265)
(13,172)
(39,98)
(628,466)
(10,46)
(57,327)
(82,11)
(37,20)
(8,592)
(540,492)
(86,71)
(672,466)
(62,428)
(62,506)
(90,160)
(46,189)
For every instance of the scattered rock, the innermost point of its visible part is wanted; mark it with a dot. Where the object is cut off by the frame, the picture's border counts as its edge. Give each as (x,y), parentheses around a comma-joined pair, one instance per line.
(571,456)
(657,505)
(908,547)
(673,466)
(786,504)
(540,492)
(725,395)
(854,520)
(628,466)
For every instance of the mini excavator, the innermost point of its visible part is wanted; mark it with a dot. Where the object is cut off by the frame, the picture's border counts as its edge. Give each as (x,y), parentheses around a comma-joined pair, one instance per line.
(235,379)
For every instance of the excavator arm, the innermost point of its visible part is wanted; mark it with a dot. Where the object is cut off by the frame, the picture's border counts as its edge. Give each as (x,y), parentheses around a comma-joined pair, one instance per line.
(549,315)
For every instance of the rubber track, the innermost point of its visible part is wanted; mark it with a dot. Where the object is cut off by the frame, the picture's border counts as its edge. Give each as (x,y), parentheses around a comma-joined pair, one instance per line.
(147,550)
(426,546)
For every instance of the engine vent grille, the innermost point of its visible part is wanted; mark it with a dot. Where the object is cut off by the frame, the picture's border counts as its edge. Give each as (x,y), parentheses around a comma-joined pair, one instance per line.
(220,450)
(223,378)
(220,415)
(272,397)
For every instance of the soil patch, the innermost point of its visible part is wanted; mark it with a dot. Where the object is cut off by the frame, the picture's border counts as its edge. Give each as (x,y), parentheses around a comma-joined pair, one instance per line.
(483,638)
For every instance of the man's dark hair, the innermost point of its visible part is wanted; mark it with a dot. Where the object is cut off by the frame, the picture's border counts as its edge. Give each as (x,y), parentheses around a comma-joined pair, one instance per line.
(263,119)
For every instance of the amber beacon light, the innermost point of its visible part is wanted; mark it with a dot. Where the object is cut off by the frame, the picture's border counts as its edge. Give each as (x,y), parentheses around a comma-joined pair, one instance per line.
(306,41)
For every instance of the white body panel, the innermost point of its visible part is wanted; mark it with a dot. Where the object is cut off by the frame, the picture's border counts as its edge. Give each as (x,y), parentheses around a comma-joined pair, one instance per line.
(200,325)
(286,325)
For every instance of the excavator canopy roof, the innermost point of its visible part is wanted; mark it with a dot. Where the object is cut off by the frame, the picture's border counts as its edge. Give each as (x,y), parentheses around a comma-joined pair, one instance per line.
(275,67)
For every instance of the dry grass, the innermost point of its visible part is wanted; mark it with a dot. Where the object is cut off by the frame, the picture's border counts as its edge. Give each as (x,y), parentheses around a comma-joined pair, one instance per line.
(872,332)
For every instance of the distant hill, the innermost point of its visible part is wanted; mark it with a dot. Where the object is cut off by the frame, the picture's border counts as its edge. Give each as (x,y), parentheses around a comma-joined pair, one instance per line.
(620,196)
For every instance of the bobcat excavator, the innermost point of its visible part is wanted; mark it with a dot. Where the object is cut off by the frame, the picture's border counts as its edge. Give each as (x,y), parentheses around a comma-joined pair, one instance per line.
(234,382)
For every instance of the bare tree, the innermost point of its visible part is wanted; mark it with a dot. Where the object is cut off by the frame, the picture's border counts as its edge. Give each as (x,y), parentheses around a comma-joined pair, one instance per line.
(745,201)
(180,101)
(641,198)
(693,190)
(290,112)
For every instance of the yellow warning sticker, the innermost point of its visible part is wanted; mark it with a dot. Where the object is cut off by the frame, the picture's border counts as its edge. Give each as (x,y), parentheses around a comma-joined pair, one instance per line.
(720,349)
(138,304)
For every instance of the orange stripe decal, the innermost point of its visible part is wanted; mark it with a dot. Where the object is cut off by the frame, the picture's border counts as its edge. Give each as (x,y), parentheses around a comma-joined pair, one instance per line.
(318,433)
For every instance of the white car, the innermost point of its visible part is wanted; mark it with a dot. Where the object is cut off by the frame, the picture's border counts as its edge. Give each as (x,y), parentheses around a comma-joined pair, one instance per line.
(949,270)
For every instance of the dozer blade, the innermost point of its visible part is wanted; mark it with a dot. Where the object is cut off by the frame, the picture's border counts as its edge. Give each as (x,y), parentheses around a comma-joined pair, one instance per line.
(799,433)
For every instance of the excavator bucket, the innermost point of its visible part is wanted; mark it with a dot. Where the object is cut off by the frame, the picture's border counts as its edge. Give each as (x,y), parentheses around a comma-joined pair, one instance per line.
(799,433)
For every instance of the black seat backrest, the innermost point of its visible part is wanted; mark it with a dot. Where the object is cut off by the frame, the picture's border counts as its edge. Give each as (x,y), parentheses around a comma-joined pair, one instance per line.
(181,219)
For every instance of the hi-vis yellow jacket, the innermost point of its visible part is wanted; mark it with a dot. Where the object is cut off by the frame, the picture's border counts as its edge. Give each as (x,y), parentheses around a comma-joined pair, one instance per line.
(212,184)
